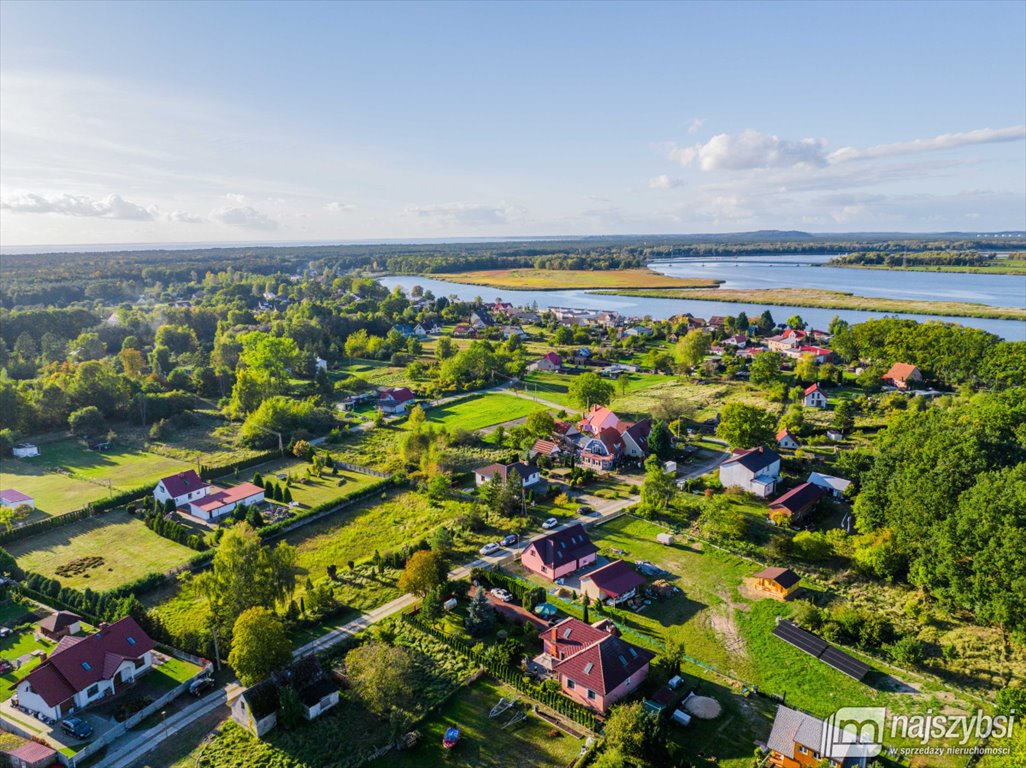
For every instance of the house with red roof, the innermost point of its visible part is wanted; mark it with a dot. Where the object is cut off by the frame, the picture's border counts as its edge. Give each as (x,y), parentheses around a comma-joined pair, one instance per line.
(560,553)
(13,498)
(195,497)
(528,474)
(605,438)
(27,754)
(786,440)
(550,362)
(84,670)
(183,488)
(613,583)
(394,399)
(795,506)
(814,396)
(594,666)
(901,375)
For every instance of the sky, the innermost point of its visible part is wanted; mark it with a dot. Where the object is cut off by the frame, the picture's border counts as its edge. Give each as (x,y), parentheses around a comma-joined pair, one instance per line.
(261,122)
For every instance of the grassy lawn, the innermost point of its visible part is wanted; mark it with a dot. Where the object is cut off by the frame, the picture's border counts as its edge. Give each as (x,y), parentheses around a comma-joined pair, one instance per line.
(553,386)
(54,493)
(482,411)
(484,743)
(14,646)
(123,467)
(561,279)
(126,549)
(170,674)
(310,491)
(377,372)
(699,401)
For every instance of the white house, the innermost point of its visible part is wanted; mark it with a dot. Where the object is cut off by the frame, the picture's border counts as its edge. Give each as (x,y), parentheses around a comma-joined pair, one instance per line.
(549,363)
(257,708)
(25,450)
(835,485)
(786,440)
(183,488)
(814,397)
(13,498)
(528,473)
(756,470)
(83,670)
(321,364)
(394,400)
(196,497)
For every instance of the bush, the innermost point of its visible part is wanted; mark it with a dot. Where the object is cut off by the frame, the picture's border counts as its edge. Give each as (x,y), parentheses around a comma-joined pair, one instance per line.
(908,650)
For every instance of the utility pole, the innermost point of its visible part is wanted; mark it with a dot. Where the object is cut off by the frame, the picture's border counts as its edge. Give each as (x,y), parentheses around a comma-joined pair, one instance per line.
(217,653)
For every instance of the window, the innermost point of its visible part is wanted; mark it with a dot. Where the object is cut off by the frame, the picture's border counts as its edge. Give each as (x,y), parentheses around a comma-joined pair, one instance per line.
(569,683)
(140,662)
(131,640)
(591,694)
(803,750)
(588,667)
(85,666)
(628,681)
(92,690)
(326,702)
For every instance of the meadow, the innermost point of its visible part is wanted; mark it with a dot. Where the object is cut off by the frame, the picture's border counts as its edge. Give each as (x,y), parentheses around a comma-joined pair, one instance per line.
(561,279)
(480,411)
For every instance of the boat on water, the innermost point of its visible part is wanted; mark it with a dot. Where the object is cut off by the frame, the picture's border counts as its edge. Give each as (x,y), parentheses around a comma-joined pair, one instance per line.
(452,735)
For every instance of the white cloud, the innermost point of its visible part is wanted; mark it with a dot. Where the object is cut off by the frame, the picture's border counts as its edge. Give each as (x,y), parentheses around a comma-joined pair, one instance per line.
(943,141)
(467,214)
(664,182)
(245,217)
(110,207)
(184,217)
(696,125)
(750,150)
(337,207)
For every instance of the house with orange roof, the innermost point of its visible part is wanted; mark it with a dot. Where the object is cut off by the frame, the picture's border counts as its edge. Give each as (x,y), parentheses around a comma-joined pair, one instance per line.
(901,375)
(814,396)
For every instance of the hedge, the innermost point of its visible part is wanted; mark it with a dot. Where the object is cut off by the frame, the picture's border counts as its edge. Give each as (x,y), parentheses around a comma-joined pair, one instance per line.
(90,510)
(511,676)
(210,473)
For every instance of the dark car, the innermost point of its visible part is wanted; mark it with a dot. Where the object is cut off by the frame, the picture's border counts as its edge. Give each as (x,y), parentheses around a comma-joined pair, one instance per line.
(200,686)
(77,727)
(510,540)
(584,509)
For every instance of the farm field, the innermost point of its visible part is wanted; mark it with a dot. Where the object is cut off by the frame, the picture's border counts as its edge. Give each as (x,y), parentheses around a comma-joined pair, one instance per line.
(559,279)
(553,386)
(481,411)
(109,550)
(483,742)
(378,372)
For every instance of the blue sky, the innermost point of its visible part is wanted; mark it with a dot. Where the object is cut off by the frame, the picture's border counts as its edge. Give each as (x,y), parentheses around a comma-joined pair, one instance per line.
(179,122)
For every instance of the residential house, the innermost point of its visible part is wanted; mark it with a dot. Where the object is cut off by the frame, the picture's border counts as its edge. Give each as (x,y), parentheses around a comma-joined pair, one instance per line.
(779,583)
(256,709)
(13,498)
(509,331)
(58,625)
(395,400)
(526,317)
(605,439)
(798,740)
(22,753)
(25,450)
(613,583)
(502,308)
(786,440)
(834,435)
(818,354)
(756,470)
(639,330)
(836,486)
(594,666)
(739,341)
(560,553)
(194,496)
(814,397)
(404,328)
(789,340)
(797,505)
(546,448)
(320,364)
(550,362)
(528,473)
(481,319)
(463,331)
(901,375)
(717,321)
(83,670)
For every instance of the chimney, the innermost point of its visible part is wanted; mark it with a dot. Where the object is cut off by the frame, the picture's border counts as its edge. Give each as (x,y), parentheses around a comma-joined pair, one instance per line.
(42,657)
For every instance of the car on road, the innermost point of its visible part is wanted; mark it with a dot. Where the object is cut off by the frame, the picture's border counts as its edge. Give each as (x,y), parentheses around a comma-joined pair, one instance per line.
(77,727)
(501,594)
(510,540)
(584,509)
(200,686)
(490,548)
(549,524)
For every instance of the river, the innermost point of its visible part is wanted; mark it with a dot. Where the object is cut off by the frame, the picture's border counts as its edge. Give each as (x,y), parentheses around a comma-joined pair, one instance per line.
(661,309)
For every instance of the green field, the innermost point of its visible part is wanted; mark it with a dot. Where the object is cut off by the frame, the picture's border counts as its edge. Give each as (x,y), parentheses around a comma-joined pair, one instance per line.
(89,474)
(310,491)
(553,386)
(482,411)
(127,547)
(484,743)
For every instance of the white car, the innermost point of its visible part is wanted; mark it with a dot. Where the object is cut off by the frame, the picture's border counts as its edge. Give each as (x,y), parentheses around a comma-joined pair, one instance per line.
(549,524)
(501,594)
(490,548)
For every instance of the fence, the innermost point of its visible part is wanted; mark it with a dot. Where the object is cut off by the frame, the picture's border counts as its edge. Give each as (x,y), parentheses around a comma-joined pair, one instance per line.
(119,730)
(361,470)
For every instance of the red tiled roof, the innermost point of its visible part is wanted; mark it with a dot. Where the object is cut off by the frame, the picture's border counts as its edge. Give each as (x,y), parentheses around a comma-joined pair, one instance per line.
(639,432)
(812,388)
(603,666)
(564,546)
(33,752)
(901,371)
(12,496)
(783,433)
(545,447)
(398,395)
(183,483)
(553,358)
(571,636)
(79,662)
(503,470)
(224,496)
(615,579)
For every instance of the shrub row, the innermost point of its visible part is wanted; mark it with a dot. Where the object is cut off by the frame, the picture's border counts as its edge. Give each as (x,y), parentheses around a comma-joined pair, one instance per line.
(511,676)
(175,531)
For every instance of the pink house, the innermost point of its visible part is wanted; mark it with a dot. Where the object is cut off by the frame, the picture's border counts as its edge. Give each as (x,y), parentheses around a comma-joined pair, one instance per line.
(595,667)
(559,553)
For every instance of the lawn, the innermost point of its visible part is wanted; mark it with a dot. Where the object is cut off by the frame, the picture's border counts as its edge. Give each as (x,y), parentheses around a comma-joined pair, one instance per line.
(484,743)
(698,401)
(108,550)
(54,493)
(123,467)
(553,386)
(12,647)
(482,411)
(310,491)
(562,279)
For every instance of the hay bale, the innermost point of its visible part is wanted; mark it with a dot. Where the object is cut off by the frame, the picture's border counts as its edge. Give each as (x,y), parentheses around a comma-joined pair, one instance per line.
(703,707)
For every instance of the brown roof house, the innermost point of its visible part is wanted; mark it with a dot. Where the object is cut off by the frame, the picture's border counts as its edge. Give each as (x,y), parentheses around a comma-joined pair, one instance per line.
(58,625)
(21,753)
(779,583)
(902,374)
(594,666)
(83,670)
(797,505)
(613,583)
(560,553)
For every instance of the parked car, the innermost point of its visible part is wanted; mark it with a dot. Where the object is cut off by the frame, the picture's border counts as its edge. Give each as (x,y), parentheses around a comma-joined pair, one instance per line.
(501,594)
(490,548)
(584,509)
(5,666)
(510,540)
(549,524)
(200,686)
(5,631)
(77,727)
